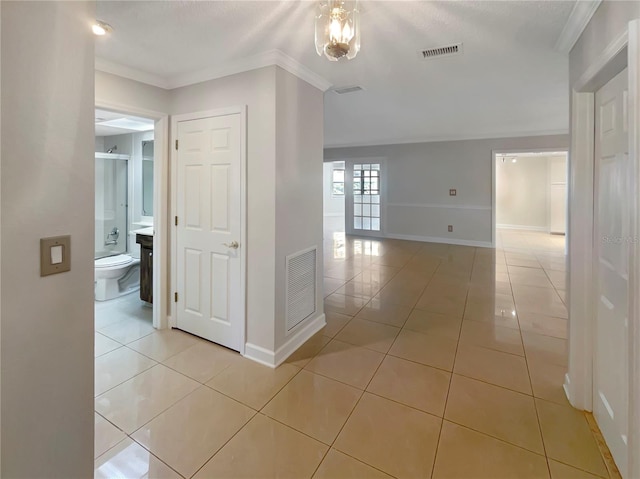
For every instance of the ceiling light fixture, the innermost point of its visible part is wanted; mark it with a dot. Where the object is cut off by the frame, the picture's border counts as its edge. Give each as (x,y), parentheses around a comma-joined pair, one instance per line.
(101,28)
(338,29)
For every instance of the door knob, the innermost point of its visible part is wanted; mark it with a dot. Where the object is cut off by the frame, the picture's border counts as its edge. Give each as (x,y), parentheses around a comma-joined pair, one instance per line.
(232,245)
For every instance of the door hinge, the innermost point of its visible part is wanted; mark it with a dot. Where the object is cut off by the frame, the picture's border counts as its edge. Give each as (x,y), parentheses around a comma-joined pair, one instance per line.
(176,144)
(176,221)
(175,297)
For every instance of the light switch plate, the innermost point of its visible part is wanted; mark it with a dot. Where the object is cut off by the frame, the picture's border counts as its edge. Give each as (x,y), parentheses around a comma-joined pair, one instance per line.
(452,192)
(58,249)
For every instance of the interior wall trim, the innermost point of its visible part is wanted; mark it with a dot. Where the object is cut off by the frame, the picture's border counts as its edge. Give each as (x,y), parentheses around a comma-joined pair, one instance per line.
(633,468)
(307,329)
(435,239)
(543,229)
(269,58)
(438,139)
(273,359)
(124,71)
(576,23)
(435,205)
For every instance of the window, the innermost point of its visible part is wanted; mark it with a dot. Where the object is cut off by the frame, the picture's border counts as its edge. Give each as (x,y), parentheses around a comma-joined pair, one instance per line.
(337,178)
(366,197)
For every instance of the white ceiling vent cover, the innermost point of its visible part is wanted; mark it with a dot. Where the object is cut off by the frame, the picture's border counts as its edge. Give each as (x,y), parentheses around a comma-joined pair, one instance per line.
(445,51)
(301,286)
(348,89)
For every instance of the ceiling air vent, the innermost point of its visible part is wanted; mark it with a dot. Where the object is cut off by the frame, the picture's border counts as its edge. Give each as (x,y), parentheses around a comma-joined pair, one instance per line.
(446,51)
(348,89)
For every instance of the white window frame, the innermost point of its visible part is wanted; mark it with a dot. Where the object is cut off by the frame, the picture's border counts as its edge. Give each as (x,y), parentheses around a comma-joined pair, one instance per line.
(344,178)
(348,197)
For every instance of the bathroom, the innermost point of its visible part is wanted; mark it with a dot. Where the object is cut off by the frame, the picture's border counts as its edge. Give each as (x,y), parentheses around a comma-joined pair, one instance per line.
(124,154)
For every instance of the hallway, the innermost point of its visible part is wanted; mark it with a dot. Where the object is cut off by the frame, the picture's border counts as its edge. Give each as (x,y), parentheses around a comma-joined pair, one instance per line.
(436,361)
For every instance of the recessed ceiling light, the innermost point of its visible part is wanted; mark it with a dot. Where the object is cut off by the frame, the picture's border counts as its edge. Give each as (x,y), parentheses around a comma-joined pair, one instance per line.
(101,28)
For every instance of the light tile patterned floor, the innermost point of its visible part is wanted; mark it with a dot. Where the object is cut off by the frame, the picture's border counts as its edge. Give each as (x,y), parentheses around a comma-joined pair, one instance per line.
(436,361)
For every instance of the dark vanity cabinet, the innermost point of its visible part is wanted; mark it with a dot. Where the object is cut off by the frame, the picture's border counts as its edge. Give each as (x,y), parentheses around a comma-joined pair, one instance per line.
(146,267)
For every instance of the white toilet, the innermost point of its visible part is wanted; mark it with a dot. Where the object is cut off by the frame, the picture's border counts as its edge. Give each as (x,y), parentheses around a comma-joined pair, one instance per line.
(116,276)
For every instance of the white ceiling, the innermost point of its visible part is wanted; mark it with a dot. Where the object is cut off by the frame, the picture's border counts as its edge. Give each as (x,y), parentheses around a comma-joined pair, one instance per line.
(509,81)
(102,116)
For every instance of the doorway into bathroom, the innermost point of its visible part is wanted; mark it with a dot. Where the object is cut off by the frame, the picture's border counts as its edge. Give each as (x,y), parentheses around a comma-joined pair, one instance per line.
(124,234)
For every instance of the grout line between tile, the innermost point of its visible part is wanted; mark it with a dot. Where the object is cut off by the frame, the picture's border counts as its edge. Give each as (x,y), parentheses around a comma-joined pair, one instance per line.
(535,405)
(453,366)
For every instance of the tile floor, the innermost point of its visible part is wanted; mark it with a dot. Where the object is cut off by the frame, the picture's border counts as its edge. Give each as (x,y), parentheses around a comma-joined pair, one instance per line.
(436,361)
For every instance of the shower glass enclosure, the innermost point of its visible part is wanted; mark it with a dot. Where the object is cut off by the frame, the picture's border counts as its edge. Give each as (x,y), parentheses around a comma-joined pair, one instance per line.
(111,204)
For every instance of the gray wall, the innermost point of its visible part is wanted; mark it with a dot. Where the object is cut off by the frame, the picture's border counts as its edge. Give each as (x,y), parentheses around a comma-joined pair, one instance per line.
(116,90)
(99,144)
(47,190)
(419,176)
(522,192)
(299,138)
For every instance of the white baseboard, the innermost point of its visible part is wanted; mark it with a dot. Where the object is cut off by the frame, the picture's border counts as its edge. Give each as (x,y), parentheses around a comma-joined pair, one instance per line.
(259,354)
(566,386)
(543,229)
(435,239)
(273,360)
(299,338)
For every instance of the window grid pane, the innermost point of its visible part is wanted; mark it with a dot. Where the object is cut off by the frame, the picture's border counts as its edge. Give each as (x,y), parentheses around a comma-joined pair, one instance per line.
(366,196)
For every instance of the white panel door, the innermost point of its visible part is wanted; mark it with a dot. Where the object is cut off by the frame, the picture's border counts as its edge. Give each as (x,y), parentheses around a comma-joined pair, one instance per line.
(612,229)
(209,227)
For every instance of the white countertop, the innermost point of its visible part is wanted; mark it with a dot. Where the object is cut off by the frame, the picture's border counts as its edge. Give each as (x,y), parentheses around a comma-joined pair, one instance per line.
(143,231)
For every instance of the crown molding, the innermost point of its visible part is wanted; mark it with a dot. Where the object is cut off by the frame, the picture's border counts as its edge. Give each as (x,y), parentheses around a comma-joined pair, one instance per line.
(269,58)
(107,66)
(296,68)
(435,139)
(578,20)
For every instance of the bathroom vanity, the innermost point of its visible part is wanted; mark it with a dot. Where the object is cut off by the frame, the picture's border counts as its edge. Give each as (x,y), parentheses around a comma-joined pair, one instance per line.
(144,237)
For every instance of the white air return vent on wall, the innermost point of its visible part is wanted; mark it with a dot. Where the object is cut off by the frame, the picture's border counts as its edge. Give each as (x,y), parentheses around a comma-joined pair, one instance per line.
(348,89)
(301,286)
(445,51)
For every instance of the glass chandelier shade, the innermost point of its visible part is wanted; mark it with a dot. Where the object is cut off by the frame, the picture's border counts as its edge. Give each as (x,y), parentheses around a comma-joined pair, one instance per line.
(338,29)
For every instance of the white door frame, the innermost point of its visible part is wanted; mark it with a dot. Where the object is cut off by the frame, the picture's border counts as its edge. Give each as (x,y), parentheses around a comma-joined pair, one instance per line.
(348,197)
(494,154)
(623,52)
(160,205)
(242,110)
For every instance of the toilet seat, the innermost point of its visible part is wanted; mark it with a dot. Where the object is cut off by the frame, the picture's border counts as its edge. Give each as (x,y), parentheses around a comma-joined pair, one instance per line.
(111,261)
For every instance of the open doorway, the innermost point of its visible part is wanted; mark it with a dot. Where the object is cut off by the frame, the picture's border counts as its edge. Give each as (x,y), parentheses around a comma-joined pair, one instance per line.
(531,201)
(124,232)
(333,197)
